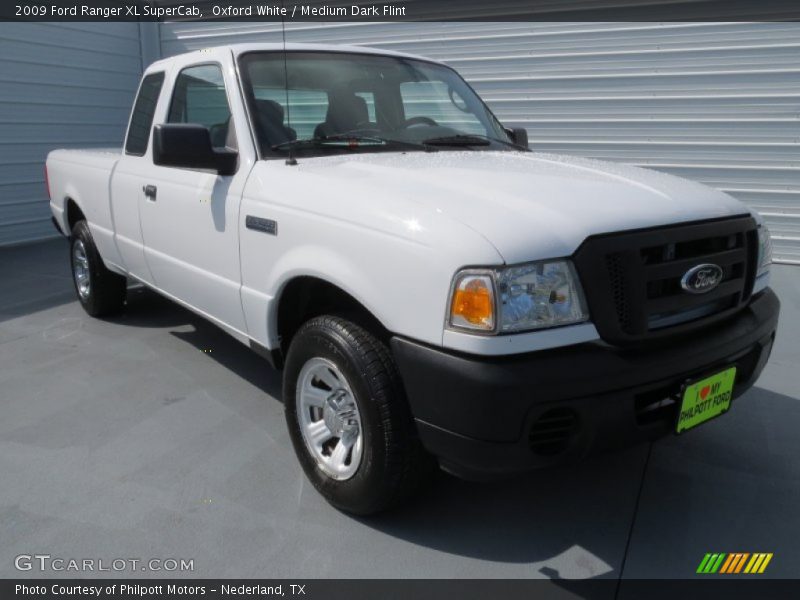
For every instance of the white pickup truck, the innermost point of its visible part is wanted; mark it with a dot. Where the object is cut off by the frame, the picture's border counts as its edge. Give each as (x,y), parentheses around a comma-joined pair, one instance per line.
(434,292)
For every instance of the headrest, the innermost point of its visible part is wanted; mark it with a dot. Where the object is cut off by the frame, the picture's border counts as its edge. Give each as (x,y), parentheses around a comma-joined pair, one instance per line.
(270,109)
(346,111)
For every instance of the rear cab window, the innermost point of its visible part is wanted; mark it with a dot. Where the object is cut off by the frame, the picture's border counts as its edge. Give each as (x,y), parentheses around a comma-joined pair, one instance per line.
(142,118)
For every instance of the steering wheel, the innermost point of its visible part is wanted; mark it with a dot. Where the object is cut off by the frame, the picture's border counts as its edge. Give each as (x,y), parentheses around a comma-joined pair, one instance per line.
(420,121)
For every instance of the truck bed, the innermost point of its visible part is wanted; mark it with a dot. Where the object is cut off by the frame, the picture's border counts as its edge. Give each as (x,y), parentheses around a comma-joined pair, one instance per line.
(84,176)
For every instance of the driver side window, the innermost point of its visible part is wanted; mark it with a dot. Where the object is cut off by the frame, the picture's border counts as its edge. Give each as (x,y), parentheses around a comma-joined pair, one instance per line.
(199,97)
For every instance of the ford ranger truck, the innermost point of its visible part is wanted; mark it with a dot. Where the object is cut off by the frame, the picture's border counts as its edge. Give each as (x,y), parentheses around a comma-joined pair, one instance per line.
(434,292)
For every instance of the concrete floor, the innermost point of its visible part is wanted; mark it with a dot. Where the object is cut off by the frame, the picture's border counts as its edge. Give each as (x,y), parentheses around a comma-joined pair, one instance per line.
(154,434)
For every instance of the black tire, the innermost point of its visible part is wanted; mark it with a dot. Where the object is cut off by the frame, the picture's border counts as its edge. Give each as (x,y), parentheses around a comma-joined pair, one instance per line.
(106,290)
(393,463)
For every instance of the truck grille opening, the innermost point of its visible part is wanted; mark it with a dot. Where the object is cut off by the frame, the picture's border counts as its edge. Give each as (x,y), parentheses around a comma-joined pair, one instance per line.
(619,285)
(632,280)
(553,432)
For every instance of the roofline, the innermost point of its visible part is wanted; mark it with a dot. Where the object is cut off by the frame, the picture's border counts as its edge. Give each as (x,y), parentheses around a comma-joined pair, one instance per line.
(242,48)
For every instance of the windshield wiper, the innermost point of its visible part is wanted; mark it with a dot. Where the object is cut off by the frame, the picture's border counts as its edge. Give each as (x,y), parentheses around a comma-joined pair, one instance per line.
(338,141)
(470,139)
(343,140)
(458,140)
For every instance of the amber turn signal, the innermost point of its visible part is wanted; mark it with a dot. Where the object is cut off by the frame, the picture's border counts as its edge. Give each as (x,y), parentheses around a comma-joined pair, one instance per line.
(472,306)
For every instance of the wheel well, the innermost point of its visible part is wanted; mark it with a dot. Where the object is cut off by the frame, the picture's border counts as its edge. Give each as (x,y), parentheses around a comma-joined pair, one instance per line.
(74,214)
(304,298)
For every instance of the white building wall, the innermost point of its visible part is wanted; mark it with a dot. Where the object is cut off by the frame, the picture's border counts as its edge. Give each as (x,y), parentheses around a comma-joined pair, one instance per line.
(715,102)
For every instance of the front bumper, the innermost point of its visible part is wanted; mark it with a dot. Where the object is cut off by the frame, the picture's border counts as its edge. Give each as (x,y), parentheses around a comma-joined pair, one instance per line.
(487,416)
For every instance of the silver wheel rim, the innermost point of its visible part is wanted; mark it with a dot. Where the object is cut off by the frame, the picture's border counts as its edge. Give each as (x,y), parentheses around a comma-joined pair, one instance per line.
(329,420)
(80,270)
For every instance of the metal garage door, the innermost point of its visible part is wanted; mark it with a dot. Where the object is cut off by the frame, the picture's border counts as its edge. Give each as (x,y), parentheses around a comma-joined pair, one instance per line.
(715,102)
(61,85)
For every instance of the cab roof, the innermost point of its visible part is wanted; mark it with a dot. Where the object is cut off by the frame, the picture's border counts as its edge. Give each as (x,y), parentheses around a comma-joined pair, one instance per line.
(239,49)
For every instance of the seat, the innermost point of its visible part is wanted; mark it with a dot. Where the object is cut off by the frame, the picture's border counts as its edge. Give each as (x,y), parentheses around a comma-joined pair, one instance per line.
(346,112)
(268,118)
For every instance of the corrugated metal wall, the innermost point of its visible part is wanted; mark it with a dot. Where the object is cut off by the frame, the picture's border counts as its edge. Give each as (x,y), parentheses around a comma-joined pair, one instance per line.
(715,102)
(61,85)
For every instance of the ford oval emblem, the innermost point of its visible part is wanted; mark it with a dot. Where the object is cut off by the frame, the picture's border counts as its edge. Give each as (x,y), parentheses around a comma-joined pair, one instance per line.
(702,278)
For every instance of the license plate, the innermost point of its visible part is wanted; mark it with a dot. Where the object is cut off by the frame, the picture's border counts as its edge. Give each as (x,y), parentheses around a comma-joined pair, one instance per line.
(705,399)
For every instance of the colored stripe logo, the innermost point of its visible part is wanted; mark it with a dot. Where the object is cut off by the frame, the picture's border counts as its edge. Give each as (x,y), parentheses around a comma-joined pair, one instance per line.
(734,563)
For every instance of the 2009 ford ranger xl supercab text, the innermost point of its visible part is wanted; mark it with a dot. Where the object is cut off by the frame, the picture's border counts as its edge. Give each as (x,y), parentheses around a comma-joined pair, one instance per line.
(433,291)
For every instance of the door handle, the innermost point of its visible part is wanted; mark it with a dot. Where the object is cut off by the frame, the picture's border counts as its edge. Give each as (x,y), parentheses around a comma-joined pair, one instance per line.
(150,192)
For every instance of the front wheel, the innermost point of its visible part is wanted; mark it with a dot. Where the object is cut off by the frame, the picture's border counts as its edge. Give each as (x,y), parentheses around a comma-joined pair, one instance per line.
(348,418)
(100,291)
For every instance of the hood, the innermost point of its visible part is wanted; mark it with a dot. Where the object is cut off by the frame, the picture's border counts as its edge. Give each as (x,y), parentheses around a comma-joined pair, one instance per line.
(527,205)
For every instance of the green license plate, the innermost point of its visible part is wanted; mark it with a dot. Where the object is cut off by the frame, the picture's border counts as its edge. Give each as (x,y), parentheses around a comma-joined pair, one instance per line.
(705,399)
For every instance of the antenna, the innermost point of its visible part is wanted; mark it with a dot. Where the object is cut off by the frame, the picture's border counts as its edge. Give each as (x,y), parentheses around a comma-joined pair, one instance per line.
(291,160)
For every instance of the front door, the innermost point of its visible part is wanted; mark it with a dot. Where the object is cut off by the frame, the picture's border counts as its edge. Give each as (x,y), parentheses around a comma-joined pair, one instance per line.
(189,217)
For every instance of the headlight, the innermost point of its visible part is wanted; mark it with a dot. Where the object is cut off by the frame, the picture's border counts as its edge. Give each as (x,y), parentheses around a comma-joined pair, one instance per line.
(517,298)
(537,295)
(764,251)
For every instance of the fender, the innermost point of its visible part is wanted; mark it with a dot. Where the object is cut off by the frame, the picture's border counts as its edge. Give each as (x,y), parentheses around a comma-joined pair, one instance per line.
(261,309)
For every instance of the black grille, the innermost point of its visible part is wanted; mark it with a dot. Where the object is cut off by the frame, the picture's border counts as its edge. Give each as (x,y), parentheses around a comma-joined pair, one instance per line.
(618,284)
(552,433)
(632,279)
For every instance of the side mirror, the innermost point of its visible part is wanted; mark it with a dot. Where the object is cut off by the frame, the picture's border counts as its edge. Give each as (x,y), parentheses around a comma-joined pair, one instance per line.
(189,146)
(519,136)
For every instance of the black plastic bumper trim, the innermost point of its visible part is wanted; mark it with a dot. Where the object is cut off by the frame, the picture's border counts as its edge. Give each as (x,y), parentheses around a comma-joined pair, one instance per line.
(474,412)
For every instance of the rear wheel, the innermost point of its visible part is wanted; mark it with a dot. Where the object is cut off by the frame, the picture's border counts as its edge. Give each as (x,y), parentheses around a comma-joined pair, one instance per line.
(348,417)
(100,291)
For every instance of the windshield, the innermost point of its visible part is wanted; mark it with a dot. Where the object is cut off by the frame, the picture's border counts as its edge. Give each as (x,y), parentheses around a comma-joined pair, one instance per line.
(344,102)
